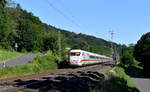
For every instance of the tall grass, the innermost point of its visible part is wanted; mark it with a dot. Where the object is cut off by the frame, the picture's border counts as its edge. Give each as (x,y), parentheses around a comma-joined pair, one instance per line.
(5,55)
(39,64)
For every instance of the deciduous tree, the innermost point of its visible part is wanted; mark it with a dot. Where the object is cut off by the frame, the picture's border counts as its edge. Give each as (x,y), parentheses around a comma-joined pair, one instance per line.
(142,52)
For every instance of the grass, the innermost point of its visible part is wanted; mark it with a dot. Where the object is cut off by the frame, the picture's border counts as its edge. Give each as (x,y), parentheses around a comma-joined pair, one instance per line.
(137,64)
(39,64)
(120,72)
(6,55)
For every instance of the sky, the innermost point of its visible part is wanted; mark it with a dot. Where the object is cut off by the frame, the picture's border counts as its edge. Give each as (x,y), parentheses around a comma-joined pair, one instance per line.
(129,19)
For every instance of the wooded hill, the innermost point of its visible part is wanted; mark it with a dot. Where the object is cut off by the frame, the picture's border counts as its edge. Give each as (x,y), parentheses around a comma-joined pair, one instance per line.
(31,34)
(87,42)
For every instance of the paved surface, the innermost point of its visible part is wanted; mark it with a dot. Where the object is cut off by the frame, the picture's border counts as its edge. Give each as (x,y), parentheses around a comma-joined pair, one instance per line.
(21,60)
(143,84)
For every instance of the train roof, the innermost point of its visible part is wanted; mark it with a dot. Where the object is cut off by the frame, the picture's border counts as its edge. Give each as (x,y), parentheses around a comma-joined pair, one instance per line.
(78,50)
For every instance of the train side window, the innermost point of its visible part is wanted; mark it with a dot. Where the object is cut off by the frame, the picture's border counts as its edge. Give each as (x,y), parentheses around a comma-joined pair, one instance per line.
(92,56)
(97,57)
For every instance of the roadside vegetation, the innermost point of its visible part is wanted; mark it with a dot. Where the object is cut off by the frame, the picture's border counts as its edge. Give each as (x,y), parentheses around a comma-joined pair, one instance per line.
(135,58)
(120,72)
(142,53)
(131,66)
(6,55)
(114,81)
(117,81)
(38,65)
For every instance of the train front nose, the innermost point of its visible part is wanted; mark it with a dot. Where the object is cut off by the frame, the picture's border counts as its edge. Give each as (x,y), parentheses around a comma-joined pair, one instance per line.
(74,60)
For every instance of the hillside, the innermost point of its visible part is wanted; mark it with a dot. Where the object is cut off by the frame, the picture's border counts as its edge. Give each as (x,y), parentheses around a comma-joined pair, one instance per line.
(86,42)
(32,35)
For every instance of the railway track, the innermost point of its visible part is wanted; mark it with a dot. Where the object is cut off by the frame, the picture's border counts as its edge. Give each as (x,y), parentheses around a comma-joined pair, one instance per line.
(45,81)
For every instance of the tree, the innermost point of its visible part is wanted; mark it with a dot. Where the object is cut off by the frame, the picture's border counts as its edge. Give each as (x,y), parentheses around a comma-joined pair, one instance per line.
(142,52)
(27,30)
(127,59)
(142,49)
(83,45)
(30,36)
(4,24)
(50,42)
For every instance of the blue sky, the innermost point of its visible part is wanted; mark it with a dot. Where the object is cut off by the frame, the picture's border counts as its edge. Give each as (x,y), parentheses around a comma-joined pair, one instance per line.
(129,19)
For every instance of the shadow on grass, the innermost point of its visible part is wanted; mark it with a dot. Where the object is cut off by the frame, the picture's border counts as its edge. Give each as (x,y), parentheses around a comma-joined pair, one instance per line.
(134,72)
(114,84)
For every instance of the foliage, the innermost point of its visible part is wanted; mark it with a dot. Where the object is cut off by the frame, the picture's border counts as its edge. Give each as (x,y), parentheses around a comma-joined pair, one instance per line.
(127,58)
(130,65)
(4,24)
(27,30)
(5,55)
(83,45)
(115,81)
(86,42)
(142,49)
(51,42)
(142,52)
(39,64)
(120,72)
(114,84)
(32,35)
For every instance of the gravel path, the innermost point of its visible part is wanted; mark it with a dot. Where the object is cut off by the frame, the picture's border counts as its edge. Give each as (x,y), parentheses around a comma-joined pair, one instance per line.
(142,84)
(21,60)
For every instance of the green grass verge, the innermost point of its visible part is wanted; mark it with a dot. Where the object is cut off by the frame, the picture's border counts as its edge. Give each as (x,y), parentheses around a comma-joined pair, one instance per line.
(39,64)
(6,55)
(120,72)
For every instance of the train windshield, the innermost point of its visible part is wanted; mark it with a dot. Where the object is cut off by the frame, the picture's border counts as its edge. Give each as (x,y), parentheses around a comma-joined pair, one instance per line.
(75,54)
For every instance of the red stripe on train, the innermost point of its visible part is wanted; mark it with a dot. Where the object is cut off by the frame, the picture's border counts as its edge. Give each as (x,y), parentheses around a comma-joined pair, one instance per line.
(86,60)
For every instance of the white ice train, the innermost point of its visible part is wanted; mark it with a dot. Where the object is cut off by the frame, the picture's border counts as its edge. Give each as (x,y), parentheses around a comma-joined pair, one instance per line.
(81,57)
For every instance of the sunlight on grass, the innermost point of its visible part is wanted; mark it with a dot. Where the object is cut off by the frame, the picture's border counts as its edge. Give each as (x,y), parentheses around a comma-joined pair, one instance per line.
(39,64)
(6,55)
(120,72)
